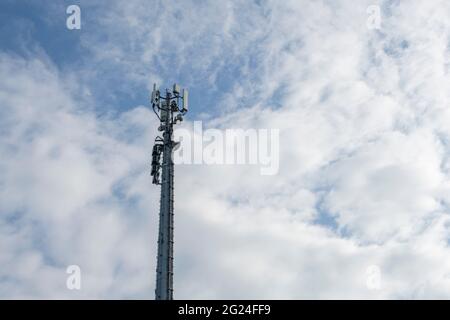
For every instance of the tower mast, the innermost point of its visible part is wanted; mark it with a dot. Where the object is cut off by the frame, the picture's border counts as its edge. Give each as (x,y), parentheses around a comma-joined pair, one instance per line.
(169,112)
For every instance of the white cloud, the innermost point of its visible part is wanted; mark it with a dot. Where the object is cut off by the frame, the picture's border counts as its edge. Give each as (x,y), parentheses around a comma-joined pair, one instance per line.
(363,122)
(66,194)
(388,188)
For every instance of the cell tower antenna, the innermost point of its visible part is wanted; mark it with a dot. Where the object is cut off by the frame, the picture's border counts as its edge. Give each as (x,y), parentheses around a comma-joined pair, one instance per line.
(169,111)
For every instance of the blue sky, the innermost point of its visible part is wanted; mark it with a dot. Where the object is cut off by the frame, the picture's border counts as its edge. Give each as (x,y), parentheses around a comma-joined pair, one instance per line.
(363,118)
(40,28)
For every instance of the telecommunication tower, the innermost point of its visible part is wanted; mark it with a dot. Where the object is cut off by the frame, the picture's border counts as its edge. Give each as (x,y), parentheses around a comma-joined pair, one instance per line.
(169,111)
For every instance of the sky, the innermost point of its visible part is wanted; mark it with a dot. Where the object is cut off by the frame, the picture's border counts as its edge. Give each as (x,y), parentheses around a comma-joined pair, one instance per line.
(359,207)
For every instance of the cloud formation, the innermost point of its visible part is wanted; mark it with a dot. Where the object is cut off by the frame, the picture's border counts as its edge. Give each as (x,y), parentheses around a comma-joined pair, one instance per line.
(363,177)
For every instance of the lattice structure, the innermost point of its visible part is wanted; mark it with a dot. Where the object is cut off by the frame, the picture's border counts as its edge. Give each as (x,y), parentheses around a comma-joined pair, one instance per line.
(169,111)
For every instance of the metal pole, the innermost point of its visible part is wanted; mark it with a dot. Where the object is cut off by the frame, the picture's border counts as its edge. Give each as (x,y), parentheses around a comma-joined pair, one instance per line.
(164,277)
(166,114)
